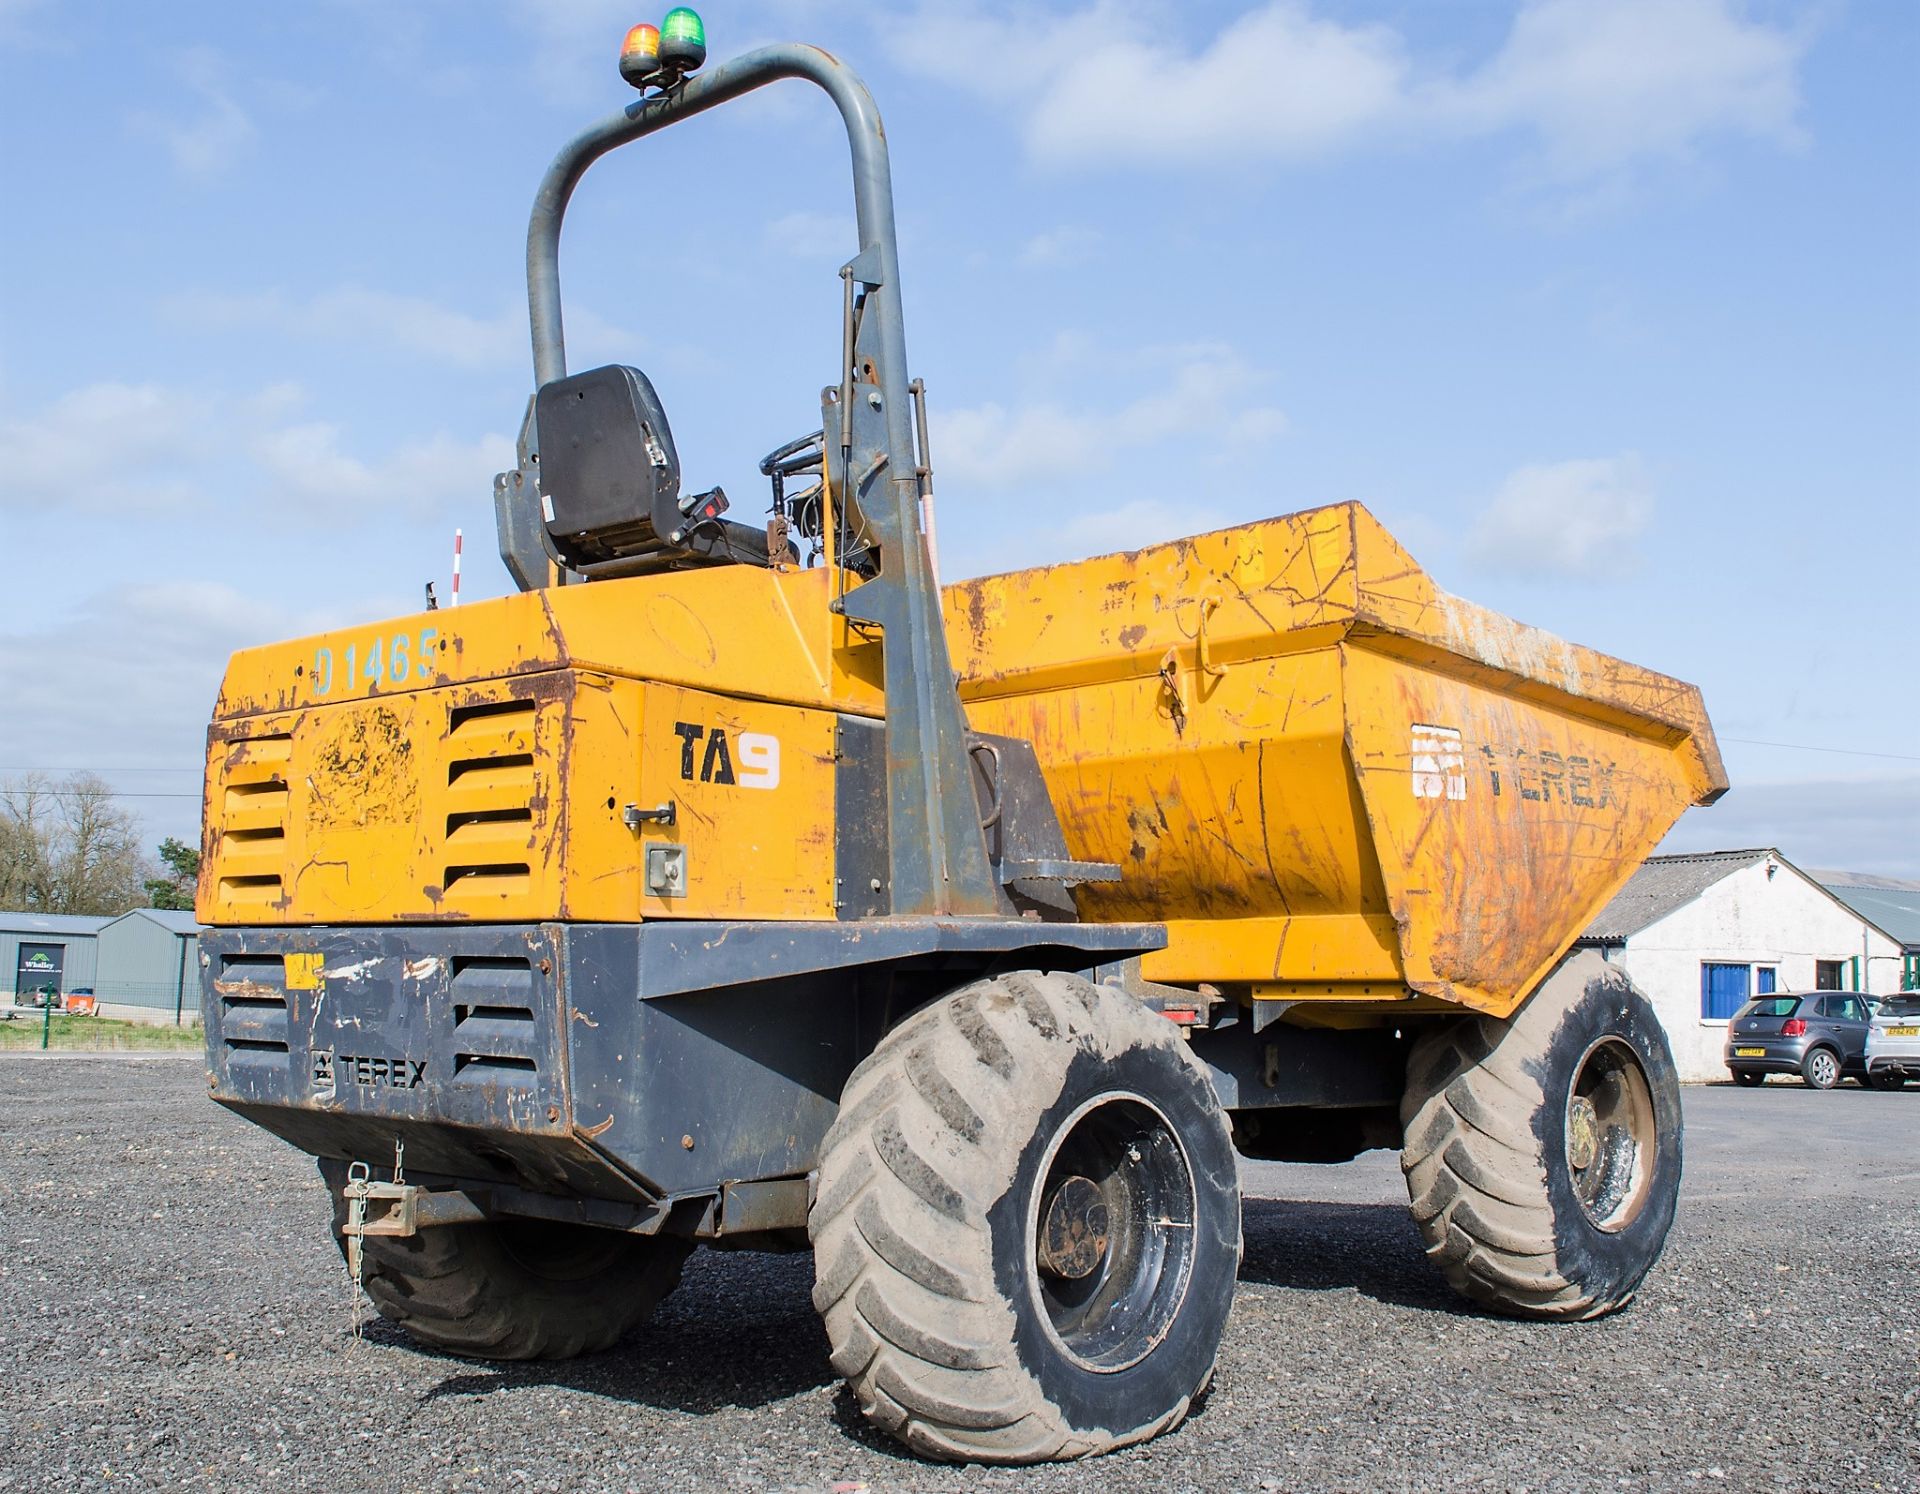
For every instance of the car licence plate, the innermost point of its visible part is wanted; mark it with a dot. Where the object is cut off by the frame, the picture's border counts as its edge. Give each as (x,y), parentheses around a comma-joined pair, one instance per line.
(1749,1052)
(1903,1032)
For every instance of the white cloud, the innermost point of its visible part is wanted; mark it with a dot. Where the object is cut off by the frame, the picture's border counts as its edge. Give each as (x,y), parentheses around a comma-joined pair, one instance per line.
(1597,85)
(306,464)
(811,235)
(1129,526)
(108,447)
(1578,519)
(1606,82)
(215,133)
(1060,248)
(353,314)
(1275,82)
(1862,824)
(133,448)
(383,319)
(1210,393)
(942,39)
(564,34)
(14,16)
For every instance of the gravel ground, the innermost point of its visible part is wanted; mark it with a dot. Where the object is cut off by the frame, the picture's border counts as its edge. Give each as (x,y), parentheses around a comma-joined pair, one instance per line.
(173,1314)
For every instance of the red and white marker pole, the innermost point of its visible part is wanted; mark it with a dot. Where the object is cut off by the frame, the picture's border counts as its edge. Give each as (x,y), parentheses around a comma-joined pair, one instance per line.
(456,569)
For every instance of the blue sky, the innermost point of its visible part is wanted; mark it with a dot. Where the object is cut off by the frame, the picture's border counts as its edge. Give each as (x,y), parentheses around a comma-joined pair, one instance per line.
(1607,307)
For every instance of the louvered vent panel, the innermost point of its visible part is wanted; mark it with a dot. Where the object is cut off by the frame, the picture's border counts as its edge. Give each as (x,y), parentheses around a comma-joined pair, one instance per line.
(490,788)
(253,1007)
(495,1038)
(252,819)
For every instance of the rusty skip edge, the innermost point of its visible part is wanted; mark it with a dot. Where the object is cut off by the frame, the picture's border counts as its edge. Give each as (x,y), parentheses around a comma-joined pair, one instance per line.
(1362,588)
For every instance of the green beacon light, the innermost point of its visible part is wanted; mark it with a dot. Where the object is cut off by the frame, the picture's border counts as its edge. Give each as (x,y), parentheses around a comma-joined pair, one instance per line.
(683,40)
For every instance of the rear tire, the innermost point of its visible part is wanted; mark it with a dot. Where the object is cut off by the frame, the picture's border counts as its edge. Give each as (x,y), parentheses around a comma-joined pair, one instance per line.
(1749,1078)
(1820,1068)
(1887,1081)
(1027,1228)
(517,1289)
(1542,1153)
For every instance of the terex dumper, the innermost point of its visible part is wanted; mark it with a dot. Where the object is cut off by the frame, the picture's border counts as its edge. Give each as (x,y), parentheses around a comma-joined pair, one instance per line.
(684,897)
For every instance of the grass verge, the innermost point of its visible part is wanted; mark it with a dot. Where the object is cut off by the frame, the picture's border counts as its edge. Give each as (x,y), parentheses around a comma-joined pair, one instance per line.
(95,1034)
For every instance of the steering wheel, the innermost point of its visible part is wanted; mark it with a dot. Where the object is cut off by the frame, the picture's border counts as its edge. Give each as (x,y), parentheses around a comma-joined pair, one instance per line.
(800,455)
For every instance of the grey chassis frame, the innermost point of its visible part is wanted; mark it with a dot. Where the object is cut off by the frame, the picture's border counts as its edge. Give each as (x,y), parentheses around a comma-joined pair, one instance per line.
(665,1076)
(633,1076)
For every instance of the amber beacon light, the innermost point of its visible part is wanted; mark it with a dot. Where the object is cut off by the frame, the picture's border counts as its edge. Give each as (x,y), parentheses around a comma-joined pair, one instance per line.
(640,55)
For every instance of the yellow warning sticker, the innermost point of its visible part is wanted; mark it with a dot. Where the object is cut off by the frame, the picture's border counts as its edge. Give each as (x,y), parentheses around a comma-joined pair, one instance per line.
(303,971)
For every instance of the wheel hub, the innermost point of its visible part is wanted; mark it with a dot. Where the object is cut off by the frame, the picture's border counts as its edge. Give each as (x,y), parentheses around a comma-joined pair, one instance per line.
(1075,1230)
(1583,1126)
(1111,1230)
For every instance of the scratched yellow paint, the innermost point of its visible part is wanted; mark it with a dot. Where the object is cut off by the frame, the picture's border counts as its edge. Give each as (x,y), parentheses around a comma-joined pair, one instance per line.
(504,801)
(475,763)
(1332,781)
(734,630)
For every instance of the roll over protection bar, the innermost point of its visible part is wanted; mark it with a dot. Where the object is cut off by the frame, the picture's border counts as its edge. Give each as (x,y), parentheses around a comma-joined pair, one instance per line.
(937,850)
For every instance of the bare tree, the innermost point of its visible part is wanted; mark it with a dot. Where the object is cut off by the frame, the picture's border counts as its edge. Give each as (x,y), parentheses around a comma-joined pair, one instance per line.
(26,812)
(69,847)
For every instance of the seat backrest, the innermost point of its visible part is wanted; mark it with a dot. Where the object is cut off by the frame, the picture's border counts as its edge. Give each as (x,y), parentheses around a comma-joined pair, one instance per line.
(609,475)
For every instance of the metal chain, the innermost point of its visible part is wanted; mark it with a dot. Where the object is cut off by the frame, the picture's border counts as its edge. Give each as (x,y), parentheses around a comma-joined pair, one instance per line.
(359,1184)
(358,1176)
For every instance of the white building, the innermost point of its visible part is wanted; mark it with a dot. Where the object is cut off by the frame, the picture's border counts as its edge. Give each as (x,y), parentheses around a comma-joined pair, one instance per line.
(1701,934)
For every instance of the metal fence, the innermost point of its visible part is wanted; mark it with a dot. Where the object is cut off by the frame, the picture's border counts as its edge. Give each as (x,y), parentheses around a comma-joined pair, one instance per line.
(167,996)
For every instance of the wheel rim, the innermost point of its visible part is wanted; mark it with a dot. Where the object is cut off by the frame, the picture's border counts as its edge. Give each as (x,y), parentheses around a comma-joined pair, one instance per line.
(1611,1134)
(1110,1231)
(1822,1067)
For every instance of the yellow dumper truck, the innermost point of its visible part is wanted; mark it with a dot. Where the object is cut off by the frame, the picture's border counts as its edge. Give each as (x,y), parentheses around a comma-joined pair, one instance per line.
(732,884)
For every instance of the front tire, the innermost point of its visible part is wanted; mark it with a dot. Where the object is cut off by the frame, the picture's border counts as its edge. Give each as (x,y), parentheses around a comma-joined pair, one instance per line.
(517,1289)
(1542,1153)
(1027,1229)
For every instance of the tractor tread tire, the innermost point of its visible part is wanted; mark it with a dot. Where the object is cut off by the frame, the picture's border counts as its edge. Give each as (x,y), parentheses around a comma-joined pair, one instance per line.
(1474,1165)
(905,1277)
(460,1289)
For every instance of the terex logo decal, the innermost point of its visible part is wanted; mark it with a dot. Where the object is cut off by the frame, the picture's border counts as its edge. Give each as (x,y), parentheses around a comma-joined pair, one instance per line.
(758,752)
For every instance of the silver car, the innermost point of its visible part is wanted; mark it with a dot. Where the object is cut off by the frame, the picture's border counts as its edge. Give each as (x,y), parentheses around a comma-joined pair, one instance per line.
(1820,1035)
(1893,1042)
